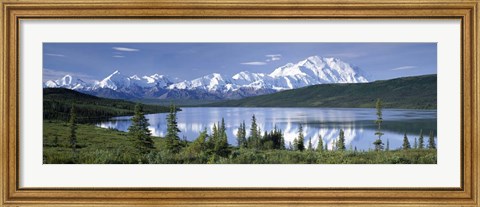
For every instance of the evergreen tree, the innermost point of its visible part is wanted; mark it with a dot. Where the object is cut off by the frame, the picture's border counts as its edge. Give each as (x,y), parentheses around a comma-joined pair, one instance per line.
(310,147)
(300,146)
(282,140)
(326,146)
(223,130)
(254,138)
(241,135)
(378,143)
(320,143)
(420,140)
(266,141)
(213,138)
(341,141)
(334,145)
(73,132)
(406,143)
(221,143)
(431,141)
(139,130)
(172,140)
(415,144)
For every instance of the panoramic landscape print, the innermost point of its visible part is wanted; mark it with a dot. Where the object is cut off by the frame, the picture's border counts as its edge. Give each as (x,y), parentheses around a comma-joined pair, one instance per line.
(239,103)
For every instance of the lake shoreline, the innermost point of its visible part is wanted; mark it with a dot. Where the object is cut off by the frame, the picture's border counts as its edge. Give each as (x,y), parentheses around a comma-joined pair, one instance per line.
(358,124)
(114,147)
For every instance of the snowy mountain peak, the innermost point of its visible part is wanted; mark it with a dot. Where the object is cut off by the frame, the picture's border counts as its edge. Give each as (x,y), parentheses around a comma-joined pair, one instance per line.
(114,81)
(157,76)
(310,71)
(318,70)
(134,77)
(316,59)
(246,78)
(217,76)
(67,81)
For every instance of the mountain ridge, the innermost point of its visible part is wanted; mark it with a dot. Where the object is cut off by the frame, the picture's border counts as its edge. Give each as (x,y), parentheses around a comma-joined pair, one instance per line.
(310,71)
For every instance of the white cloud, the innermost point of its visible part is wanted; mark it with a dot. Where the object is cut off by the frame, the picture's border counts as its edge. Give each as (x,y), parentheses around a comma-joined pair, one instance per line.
(254,63)
(273,57)
(118,56)
(125,49)
(49,74)
(54,55)
(405,67)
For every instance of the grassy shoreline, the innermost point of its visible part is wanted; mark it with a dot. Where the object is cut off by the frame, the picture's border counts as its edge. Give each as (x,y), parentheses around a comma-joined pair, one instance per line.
(109,146)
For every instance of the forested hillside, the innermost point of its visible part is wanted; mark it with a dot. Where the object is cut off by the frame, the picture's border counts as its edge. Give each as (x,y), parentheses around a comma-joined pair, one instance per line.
(419,92)
(57,103)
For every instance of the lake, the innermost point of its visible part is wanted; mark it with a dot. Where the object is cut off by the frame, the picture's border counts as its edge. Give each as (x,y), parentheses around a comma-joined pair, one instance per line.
(357,123)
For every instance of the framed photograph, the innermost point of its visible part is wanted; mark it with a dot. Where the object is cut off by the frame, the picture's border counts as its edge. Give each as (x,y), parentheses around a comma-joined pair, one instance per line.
(239,103)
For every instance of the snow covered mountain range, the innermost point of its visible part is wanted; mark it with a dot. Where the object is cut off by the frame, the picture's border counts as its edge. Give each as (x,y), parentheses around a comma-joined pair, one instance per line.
(311,71)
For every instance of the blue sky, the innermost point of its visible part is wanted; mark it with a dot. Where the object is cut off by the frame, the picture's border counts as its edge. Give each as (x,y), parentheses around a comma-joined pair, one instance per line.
(94,61)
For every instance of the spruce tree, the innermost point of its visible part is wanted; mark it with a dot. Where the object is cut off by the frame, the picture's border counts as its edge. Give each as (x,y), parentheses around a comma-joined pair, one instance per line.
(139,131)
(310,147)
(73,132)
(300,139)
(258,141)
(406,143)
(223,129)
(172,140)
(320,143)
(213,138)
(378,143)
(420,140)
(221,143)
(326,146)
(415,144)
(282,140)
(341,141)
(254,134)
(266,141)
(431,141)
(241,135)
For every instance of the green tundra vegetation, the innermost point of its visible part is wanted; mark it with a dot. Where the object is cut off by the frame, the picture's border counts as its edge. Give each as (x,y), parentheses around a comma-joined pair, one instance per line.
(71,142)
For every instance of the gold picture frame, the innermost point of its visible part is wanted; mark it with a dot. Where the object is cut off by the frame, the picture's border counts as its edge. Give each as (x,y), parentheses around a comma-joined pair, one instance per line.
(13,11)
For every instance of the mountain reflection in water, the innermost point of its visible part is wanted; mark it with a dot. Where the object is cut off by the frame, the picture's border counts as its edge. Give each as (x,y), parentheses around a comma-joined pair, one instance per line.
(357,123)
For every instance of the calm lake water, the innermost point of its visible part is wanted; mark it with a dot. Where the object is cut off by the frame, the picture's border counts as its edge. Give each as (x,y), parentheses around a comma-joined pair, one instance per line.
(358,124)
